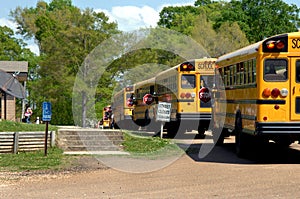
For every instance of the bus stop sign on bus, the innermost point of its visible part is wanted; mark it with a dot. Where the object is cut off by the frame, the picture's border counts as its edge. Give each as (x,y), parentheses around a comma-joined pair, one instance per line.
(148,99)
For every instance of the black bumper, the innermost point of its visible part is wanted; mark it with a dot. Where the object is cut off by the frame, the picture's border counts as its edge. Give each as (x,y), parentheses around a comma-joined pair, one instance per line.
(277,128)
(193,116)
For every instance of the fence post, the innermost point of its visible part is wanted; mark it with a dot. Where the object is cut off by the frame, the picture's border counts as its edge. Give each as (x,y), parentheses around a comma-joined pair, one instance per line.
(52,138)
(16,143)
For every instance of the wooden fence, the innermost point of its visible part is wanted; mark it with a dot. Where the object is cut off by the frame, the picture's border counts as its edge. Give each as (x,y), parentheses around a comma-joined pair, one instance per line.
(14,142)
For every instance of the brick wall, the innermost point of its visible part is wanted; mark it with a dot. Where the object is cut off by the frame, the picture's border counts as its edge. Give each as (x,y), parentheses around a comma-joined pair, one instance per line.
(10,108)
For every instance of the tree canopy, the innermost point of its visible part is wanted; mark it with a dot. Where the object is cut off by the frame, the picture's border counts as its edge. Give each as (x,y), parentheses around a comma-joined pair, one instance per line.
(258,19)
(11,48)
(65,35)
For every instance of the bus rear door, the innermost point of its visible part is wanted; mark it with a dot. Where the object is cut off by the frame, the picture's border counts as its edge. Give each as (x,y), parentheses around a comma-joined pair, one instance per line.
(295,88)
(204,93)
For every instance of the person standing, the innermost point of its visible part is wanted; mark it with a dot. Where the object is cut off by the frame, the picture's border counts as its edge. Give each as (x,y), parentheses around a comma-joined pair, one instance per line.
(112,121)
(27,114)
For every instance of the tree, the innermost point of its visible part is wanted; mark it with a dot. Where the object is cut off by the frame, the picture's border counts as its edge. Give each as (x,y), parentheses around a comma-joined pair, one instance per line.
(65,35)
(260,18)
(202,2)
(11,48)
(229,37)
(180,19)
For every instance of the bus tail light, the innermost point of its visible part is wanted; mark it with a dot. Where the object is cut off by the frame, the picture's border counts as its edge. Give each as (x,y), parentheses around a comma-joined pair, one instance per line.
(270,44)
(276,44)
(284,92)
(279,45)
(182,95)
(275,92)
(267,92)
(187,66)
(188,95)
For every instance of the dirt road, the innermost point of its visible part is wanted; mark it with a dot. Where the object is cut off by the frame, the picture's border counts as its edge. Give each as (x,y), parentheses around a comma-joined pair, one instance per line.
(276,174)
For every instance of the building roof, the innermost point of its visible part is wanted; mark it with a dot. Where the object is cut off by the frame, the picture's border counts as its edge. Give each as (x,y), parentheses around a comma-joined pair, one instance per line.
(14,66)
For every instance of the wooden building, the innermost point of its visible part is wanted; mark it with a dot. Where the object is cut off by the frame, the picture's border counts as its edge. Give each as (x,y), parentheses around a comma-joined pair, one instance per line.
(12,67)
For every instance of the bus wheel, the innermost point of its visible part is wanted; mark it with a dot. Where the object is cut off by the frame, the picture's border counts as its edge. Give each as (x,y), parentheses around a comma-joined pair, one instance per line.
(284,141)
(201,133)
(217,133)
(172,129)
(240,140)
(218,136)
(147,119)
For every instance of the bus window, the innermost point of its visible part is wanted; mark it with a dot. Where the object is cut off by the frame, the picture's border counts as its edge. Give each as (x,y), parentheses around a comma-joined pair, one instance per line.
(207,81)
(298,71)
(254,70)
(275,70)
(246,72)
(188,81)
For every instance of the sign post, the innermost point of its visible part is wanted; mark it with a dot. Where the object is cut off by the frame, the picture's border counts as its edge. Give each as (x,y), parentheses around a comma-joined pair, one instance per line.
(47,112)
(163,114)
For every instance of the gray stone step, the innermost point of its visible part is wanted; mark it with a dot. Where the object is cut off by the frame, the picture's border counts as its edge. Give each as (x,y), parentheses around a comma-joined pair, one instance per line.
(90,140)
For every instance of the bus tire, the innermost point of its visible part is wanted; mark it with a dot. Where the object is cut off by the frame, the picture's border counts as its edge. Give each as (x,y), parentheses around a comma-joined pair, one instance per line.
(284,141)
(147,119)
(201,133)
(240,140)
(172,129)
(218,138)
(217,133)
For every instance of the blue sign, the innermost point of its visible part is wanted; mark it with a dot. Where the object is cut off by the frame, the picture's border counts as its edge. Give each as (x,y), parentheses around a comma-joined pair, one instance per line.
(47,111)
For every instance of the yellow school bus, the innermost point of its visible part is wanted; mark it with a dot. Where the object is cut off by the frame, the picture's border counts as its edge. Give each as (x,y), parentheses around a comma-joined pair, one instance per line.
(122,108)
(187,87)
(107,117)
(144,101)
(260,100)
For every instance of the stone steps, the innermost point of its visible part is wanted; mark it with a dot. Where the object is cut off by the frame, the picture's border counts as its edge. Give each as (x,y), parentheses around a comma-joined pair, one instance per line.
(93,140)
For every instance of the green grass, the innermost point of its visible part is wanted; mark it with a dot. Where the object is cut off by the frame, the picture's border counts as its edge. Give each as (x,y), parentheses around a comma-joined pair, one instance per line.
(149,146)
(32,160)
(9,126)
(29,160)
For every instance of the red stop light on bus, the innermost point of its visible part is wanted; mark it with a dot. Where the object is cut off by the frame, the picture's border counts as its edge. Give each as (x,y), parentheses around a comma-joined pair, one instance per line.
(187,66)
(276,44)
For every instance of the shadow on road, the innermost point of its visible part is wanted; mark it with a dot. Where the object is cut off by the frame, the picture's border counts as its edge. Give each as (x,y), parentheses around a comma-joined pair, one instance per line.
(271,153)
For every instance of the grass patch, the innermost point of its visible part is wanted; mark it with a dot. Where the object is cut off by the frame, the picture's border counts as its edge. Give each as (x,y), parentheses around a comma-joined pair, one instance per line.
(149,146)
(32,160)
(10,126)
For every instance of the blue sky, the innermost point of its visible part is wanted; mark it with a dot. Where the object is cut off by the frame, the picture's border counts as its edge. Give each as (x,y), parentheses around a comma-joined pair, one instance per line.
(129,14)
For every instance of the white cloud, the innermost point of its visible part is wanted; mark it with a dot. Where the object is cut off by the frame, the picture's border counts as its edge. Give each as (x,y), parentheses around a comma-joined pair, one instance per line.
(132,17)
(33,48)
(8,23)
